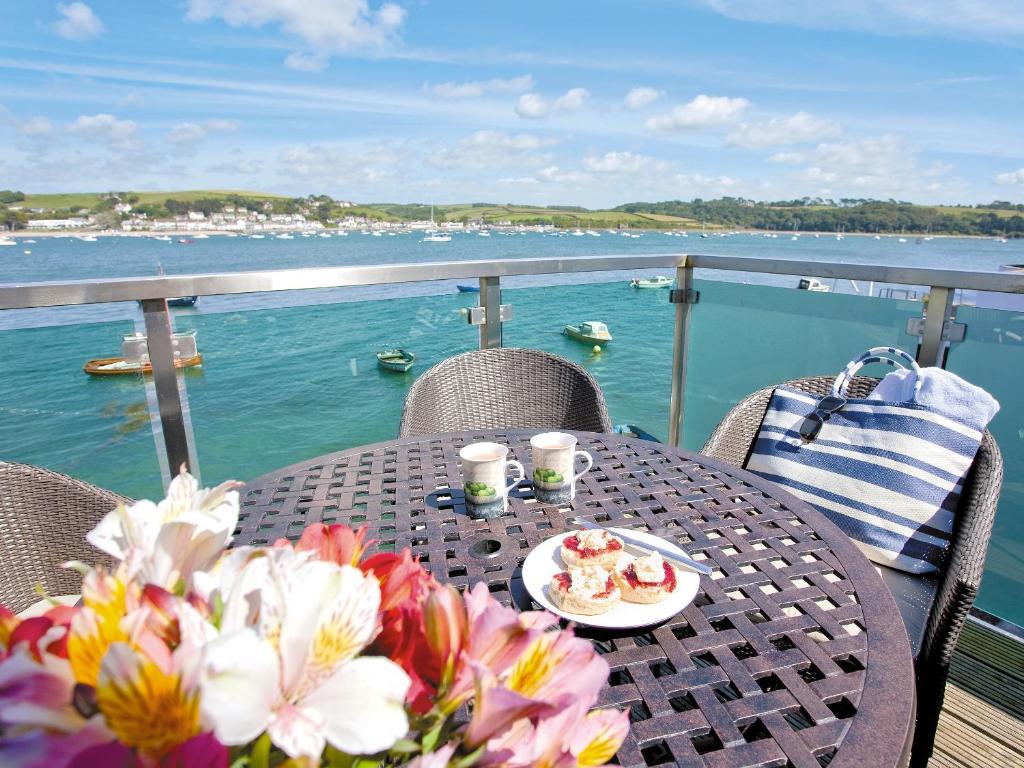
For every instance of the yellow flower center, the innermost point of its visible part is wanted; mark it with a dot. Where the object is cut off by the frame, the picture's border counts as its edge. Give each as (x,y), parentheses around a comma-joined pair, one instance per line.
(149,711)
(534,668)
(91,635)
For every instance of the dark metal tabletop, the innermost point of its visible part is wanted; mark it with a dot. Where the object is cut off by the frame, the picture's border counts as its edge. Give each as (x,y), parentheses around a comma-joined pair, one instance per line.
(792,654)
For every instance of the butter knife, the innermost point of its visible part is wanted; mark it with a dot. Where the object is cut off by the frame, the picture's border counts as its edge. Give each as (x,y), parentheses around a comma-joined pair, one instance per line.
(643,548)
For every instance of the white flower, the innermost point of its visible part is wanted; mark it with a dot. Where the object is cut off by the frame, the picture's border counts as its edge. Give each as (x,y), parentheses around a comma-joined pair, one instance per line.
(166,543)
(286,661)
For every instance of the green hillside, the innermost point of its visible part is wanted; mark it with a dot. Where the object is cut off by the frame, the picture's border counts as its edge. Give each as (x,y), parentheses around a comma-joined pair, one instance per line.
(90,199)
(561,216)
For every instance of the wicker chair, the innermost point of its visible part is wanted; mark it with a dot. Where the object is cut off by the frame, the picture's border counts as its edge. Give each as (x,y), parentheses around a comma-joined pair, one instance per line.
(515,388)
(44,517)
(933,608)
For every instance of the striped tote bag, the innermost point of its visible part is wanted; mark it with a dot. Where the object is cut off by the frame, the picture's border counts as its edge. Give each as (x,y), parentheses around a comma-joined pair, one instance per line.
(888,474)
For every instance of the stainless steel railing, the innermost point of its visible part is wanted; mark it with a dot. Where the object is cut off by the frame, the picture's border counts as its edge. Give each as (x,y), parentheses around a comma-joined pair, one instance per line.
(153,292)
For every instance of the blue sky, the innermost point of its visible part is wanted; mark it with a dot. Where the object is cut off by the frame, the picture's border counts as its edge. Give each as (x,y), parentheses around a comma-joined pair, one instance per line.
(593,103)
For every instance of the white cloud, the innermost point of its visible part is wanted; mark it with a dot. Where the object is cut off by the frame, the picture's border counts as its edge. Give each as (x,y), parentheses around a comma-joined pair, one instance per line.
(246,167)
(796,129)
(1011,177)
(77,22)
(624,162)
(477,88)
(105,128)
(325,26)
(995,19)
(35,126)
(571,100)
(641,97)
(190,133)
(491,149)
(306,62)
(342,165)
(533,106)
(554,174)
(702,112)
(883,167)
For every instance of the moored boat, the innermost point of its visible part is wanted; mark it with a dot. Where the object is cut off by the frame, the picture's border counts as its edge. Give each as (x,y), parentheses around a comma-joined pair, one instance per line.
(395,360)
(134,356)
(590,332)
(655,282)
(468,288)
(183,301)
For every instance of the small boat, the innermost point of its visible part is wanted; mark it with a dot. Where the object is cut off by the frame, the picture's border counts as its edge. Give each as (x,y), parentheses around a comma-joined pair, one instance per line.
(484,233)
(5,241)
(201,236)
(183,301)
(437,237)
(395,360)
(468,288)
(134,356)
(163,238)
(324,234)
(591,332)
(186,240)
(285,236)
(655,282)
(257,237)
(810,284)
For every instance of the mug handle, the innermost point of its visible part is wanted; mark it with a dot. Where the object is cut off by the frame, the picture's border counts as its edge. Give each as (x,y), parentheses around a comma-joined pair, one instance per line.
(522,475)
(590,463)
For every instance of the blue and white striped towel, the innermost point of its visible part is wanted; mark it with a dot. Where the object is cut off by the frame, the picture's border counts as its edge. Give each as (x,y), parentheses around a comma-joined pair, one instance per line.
(888,474)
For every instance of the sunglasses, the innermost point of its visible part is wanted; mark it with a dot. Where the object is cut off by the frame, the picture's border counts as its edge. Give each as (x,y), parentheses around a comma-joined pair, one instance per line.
(812,424)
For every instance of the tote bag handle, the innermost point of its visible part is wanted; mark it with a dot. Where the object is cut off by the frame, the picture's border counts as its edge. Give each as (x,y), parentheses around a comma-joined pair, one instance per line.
(896,358)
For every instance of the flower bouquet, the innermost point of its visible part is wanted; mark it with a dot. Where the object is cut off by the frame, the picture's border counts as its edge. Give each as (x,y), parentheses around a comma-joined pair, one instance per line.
(186,653)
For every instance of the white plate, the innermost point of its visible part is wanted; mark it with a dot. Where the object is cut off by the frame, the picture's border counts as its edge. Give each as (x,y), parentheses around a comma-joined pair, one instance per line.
(545,561)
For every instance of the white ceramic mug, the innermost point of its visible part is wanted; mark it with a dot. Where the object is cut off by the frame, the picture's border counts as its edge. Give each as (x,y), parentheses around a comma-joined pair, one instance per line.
(483,478)
(554,459)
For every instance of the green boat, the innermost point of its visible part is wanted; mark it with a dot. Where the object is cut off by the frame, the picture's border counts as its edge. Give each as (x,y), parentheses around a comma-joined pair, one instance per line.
(395,360)
(591,332)
(655,282)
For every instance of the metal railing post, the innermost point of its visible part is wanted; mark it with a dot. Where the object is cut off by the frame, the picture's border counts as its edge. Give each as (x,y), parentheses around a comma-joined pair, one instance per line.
(490,301)
(683,297)
(933,343)
(165,381)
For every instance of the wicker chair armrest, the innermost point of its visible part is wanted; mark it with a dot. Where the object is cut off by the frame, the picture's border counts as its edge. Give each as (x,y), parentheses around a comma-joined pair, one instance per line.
(963,571)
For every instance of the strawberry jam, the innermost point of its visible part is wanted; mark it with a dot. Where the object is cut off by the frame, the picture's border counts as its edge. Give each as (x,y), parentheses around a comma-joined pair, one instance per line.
(573,543)
(668,583)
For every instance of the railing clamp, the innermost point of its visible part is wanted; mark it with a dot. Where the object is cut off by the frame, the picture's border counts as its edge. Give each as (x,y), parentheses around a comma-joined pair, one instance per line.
(684,296)
(952,331)
(478,315)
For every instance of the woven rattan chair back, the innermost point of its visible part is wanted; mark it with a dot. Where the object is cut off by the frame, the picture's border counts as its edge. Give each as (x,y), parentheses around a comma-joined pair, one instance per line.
(959,582)
(44,517)
(510,388)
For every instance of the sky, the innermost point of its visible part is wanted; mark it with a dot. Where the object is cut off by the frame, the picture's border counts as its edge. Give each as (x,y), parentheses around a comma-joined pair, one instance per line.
(564,102)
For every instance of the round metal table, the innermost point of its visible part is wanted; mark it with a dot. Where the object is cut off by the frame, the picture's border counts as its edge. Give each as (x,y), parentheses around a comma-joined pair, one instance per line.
(793,653)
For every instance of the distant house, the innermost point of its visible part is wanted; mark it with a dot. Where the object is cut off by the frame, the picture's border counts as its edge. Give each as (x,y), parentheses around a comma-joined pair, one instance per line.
(75,223)
(122,208)
(196,216)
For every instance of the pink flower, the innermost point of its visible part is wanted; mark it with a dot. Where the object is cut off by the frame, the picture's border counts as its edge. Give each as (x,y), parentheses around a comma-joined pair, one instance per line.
(333,543)
(438,759)
(496,708)
(202,751)
(498,636)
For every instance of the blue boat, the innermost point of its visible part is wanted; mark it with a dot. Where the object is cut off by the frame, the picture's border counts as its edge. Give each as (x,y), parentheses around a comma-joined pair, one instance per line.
(469,289)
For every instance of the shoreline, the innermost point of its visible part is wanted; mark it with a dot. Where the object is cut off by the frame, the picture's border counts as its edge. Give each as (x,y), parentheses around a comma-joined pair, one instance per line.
(24,234)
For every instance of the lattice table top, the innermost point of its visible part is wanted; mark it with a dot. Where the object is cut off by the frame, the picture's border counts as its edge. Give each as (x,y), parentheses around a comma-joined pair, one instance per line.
(793,653)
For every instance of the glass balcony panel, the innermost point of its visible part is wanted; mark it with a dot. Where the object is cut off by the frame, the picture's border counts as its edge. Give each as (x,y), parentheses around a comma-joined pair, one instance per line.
(992,356)
(54,415)
(745,337)
(285,384)
(634,369)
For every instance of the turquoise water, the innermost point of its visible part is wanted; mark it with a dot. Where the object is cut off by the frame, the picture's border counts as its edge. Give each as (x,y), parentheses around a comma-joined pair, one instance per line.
(282,383)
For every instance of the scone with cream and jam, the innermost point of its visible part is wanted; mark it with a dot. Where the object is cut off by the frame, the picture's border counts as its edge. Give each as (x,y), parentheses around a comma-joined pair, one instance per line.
(591,547)
(647,579)
(587,590)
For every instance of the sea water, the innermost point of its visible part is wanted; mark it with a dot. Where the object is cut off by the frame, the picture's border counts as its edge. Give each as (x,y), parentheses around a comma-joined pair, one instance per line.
(292,375)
